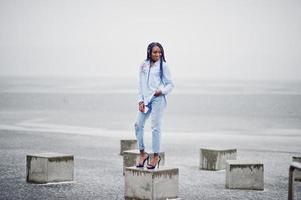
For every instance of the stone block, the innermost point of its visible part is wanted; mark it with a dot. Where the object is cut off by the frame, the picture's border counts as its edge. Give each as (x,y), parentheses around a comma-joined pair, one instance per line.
(157,184)
(215,159)
(297,174)
(131,157)
(294,181)
(127,145)
(244,175)
(49,167)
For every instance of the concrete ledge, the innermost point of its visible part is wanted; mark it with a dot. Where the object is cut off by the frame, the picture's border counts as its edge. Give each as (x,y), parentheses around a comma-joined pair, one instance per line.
(49,167)
(215,159)
(127,145)
(131,157)
(155,184)
(244,175)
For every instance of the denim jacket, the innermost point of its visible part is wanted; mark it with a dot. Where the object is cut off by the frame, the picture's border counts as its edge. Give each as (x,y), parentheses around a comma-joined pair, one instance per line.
(150,81)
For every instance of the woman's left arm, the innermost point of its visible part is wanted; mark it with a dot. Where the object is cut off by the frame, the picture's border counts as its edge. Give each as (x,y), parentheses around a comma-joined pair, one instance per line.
(168,83)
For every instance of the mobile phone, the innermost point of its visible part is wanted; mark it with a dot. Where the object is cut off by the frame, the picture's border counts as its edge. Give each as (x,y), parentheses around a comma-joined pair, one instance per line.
(145,109)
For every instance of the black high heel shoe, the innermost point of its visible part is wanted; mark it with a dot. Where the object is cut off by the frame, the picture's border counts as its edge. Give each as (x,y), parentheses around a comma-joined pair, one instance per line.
(142,165)
(149,166)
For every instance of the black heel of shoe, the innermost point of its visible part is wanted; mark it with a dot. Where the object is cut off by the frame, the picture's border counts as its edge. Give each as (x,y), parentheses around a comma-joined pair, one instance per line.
(154,166)
(142,165)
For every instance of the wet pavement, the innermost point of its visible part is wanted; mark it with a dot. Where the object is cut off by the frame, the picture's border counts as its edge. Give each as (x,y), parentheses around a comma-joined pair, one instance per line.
(98,165)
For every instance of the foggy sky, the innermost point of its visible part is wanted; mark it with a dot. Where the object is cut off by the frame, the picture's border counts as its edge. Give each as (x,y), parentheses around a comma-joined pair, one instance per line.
(230,39)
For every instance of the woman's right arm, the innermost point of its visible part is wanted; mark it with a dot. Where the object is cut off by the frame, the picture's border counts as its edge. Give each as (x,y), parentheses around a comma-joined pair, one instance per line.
(140,94)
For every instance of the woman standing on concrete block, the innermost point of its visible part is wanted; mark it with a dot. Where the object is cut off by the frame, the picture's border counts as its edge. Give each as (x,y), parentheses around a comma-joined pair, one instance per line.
(154,84)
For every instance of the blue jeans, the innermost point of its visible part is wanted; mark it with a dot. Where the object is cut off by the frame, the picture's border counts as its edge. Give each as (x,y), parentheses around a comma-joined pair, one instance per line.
(156,107)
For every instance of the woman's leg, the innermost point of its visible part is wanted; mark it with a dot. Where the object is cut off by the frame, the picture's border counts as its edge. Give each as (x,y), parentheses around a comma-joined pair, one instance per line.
(158,106)
(139,128)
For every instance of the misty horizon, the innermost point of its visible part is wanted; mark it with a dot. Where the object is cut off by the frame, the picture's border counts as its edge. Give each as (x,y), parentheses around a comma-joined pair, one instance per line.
(206,40)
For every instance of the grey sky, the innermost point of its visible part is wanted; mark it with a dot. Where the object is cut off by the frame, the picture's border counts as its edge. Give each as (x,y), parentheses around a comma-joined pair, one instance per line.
(230,39)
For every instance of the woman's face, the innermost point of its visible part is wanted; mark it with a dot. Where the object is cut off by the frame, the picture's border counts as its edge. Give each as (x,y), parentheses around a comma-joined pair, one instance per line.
(156,53)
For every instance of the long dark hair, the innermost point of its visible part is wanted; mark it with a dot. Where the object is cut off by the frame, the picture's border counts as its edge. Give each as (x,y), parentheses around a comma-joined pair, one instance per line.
(162,57)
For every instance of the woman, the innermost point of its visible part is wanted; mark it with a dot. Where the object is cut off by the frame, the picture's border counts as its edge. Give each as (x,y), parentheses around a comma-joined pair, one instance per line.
(154,84)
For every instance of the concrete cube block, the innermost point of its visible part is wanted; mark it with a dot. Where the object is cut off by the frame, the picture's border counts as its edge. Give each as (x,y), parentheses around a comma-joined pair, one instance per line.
(244,175)
(49,167)
(215,159)
(127,145)
(157,184)
(131,157)
(296,159)
(294,181)
(297,175)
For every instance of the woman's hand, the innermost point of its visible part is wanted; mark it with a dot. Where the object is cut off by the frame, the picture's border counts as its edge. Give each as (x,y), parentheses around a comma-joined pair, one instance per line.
(158,93)
(141,106)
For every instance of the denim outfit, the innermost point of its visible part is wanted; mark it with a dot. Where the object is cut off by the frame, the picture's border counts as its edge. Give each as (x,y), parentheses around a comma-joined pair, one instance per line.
(149,82)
